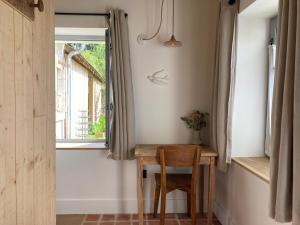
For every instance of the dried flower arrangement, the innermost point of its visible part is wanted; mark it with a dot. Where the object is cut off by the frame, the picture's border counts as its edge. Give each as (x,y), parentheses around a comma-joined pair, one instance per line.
(196,121)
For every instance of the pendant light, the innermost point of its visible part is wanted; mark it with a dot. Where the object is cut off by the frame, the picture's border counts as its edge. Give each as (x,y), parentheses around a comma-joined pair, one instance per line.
(173,42)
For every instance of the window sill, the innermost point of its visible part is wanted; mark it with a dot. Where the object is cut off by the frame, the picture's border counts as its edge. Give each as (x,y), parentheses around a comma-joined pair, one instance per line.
(81,146)
(259,166)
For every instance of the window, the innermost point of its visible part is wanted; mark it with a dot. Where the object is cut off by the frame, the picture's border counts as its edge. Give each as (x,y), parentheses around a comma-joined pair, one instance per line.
(80,88)
(271,78)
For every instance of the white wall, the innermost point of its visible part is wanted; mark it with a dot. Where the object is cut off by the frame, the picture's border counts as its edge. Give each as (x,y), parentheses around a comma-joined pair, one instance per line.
(242,198)
(87,182)
(79,99)
(249,114)
(244,4)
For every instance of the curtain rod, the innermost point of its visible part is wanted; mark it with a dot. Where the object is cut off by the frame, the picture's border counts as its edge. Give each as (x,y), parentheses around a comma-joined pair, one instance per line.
(84,14)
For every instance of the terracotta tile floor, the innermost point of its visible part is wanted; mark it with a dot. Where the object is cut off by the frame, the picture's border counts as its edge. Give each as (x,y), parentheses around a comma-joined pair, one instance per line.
(97,219)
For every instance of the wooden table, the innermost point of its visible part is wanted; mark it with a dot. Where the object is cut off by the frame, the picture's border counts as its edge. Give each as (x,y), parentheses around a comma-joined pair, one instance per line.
(146,155)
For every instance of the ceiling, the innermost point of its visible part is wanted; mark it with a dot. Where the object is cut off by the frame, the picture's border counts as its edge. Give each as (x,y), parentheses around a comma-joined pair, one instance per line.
(262,9)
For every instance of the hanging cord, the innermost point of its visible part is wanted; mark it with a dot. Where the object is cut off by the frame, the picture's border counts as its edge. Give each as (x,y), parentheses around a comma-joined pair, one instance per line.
(173,25)
(160,23)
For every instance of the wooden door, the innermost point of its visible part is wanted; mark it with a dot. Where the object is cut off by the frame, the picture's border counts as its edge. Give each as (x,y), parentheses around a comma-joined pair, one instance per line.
(27,113)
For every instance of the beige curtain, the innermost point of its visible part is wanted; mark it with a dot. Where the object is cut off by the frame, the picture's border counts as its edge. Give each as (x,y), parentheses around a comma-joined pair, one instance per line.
(285,137)
(224,81)
(122,130)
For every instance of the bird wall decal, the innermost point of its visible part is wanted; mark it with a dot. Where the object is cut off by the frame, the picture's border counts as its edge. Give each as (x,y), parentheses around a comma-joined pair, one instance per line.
(158,77)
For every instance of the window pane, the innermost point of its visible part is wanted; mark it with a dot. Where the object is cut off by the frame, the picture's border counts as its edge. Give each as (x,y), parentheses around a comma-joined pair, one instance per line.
(80,91)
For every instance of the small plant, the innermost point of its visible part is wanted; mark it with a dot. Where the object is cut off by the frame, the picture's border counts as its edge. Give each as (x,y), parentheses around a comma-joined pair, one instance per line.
(97,130)
(196,121)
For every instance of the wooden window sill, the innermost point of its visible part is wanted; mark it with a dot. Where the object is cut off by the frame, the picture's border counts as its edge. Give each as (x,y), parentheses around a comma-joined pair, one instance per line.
(259,166)
(81,146)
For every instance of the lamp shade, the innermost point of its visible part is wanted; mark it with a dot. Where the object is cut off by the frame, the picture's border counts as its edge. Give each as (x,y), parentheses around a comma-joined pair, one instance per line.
(173,42)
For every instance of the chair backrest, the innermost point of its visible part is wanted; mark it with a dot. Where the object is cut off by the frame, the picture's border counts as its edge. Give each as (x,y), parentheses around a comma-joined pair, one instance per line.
(178,155)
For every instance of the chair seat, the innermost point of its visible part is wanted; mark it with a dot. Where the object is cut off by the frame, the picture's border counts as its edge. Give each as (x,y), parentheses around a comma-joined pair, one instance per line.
(176,181)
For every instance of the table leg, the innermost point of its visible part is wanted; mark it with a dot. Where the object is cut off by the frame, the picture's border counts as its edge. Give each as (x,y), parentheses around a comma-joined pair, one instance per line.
(211,192)
(140,194)
(201,189)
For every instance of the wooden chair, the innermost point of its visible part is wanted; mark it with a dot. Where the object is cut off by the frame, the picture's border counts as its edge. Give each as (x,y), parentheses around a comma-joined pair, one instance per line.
(177,156)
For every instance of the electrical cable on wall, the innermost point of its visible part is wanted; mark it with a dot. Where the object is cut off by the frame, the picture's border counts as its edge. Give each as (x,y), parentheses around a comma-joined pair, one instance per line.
(141,37)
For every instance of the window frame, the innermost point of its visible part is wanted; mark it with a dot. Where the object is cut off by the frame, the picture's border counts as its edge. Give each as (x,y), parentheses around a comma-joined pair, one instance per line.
(90,144)
(272,42)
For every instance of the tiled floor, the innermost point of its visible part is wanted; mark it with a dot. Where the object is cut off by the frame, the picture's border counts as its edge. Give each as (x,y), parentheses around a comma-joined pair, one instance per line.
(171,219)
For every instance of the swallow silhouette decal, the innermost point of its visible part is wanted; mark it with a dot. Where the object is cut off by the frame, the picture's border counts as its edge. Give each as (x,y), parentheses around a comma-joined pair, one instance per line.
(158,78)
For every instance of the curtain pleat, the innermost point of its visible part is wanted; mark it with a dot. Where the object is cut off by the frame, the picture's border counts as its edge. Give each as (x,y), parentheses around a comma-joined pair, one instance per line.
(122,138)
(224,83)
(285,135)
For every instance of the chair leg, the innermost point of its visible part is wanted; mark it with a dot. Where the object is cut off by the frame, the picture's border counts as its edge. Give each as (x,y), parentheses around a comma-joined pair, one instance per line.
(188,202)
(162,207)
(193,207)
(156,200)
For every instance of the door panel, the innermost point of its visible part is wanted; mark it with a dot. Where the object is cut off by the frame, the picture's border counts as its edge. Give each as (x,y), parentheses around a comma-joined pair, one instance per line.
(44,115)
(7,118)
(24,118)
(27,117)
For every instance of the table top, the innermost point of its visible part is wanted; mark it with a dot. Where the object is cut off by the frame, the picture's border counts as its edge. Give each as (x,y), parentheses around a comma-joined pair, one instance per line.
(144,150)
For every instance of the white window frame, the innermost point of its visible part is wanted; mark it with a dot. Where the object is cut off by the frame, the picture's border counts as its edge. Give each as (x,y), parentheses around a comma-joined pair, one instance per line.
(83,144)
(271,79)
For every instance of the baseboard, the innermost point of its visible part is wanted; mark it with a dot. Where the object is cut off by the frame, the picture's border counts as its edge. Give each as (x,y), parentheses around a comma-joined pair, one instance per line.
(114,206)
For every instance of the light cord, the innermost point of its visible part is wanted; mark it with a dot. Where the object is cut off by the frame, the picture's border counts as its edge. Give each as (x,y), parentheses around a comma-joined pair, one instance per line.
(160,23)
(173,25)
